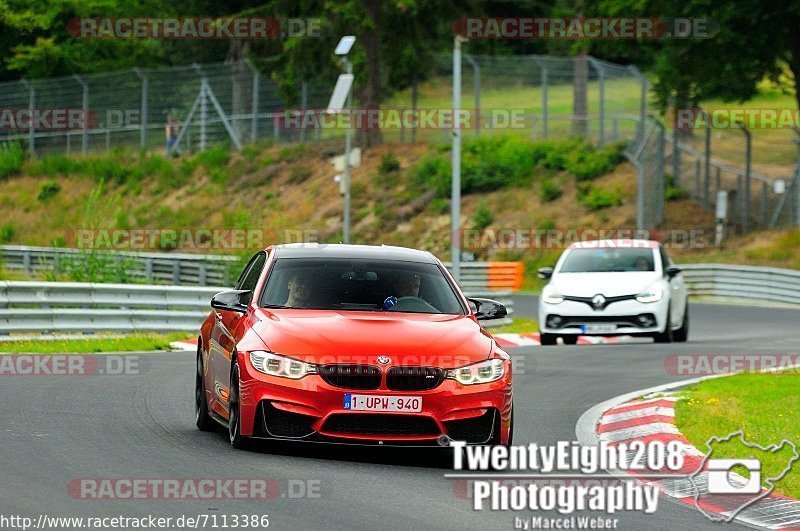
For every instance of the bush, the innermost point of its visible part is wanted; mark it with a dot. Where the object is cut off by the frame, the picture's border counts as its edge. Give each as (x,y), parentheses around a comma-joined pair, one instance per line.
(292,153)
(250,153)
(550,190)
(389,163)
(547,224)
(12,156)
(440,205)
(53,165)
(48,190)
(595,198)
(215,157)
(7,233)
(483,217)
(104,169)
(673,193)
(587,164)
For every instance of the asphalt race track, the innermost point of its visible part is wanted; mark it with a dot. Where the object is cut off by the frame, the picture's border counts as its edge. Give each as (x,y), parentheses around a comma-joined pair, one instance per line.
(54,429)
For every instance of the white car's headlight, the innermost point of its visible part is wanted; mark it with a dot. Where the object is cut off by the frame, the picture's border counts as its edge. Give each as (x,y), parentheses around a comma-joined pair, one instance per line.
(478,373)
(282,366)
(652,294)
(550,296)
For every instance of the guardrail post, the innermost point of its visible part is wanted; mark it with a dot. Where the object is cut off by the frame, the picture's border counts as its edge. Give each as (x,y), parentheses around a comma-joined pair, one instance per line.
(26,261)
(176,273)
(203,275)
(148,270)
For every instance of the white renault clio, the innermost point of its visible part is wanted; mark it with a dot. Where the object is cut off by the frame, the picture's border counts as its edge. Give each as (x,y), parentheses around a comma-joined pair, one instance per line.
(613,287)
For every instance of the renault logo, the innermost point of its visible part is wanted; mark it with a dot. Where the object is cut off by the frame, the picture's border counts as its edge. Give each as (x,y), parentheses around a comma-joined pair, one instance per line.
(598,302)
(384,359)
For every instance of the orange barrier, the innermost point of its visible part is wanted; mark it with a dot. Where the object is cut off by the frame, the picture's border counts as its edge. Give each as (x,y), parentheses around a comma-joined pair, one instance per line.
(505,275)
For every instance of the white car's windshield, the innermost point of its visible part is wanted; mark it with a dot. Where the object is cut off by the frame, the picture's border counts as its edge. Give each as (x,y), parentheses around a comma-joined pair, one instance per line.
(607,260)
(359,284)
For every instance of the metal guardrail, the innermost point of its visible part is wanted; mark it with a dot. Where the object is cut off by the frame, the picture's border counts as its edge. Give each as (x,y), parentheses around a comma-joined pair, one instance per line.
(46,307)
(214,270)
(746,283)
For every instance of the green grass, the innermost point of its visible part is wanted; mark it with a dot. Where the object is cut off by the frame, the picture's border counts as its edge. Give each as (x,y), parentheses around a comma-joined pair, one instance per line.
(12,156)
(129,343)
(765,406)
(521,325)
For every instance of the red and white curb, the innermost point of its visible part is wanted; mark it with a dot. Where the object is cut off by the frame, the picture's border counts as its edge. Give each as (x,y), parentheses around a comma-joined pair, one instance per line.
(189,344)
(506,340)
(630,418)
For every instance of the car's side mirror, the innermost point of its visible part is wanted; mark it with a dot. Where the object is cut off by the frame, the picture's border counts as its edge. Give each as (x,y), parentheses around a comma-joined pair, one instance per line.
(234,300)
(545,272)
(672,271)
(488,309)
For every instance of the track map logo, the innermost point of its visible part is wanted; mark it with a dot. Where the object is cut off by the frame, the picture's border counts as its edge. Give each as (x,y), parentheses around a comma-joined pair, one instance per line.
(736,484)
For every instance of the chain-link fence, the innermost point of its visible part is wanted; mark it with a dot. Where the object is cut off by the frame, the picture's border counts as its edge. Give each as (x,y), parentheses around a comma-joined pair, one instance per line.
(646,153)
(236,103)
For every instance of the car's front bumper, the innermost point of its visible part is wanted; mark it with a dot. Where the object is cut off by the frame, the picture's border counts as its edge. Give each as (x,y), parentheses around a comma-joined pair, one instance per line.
(629,317)
(310,409)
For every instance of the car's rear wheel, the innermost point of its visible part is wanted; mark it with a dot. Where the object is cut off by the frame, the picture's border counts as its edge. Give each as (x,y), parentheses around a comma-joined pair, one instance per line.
(202,418)
(666,335)
(570,340)
(235,436)
(681,335)
(547,339)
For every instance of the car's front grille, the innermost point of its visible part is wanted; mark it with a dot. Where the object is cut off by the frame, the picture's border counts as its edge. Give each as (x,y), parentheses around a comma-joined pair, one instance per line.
(351,376)
(414,378)
(644,320)
(476,430)
(380,424)
(279,423)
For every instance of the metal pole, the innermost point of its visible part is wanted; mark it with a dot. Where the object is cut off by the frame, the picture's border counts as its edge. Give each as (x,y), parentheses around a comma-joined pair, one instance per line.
(203,114)
(476,90)
(254,105)
(143,121)
(601,88)
(544,101)
(455,200)
(303,106)
(414,106)
(31,126)
(643,100)
(85,111)
(747,164)
(347,147)
(707,176)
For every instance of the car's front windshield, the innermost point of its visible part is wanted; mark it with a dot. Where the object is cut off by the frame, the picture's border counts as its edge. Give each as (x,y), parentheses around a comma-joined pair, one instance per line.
(359,284)
(608,260)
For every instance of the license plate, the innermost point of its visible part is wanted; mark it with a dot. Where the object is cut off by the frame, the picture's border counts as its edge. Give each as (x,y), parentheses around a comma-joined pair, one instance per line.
(412,404)
(599,328)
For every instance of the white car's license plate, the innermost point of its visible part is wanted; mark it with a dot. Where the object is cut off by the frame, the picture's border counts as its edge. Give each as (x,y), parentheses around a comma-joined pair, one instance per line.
(411,404)
(601,328)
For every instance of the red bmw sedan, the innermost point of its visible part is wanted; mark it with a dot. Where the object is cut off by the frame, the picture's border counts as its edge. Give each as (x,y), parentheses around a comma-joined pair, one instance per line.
(352,344)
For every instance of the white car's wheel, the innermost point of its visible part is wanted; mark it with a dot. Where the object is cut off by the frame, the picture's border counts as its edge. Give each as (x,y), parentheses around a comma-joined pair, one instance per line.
(682,334)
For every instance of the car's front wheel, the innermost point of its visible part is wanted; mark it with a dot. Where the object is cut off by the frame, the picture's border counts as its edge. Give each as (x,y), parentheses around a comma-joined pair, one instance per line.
(547,339)
(666,335)
(202,418)
(570,339)
(235,436)
(681,335)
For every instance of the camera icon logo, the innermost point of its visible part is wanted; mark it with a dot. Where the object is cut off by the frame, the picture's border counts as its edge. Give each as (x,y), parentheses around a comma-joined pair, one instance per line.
(722,479)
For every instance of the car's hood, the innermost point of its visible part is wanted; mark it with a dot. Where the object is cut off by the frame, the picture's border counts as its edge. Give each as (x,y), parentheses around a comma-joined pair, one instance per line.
(324,336)
(607,284)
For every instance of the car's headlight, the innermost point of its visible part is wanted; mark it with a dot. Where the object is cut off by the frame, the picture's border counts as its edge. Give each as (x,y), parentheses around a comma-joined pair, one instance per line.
(282,366)
(550,296)
(652,294)
(478,373)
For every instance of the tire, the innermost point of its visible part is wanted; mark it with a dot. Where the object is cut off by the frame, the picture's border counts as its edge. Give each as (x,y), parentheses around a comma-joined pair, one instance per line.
(235,436)
(681,335)
(547,339)
(570,340)
(666,335)
(202,419)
